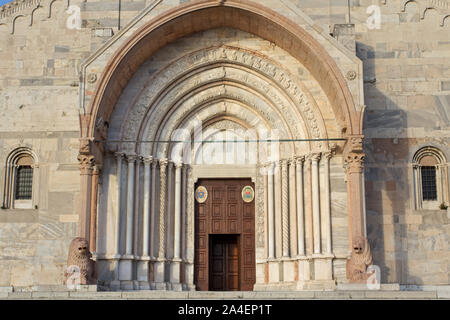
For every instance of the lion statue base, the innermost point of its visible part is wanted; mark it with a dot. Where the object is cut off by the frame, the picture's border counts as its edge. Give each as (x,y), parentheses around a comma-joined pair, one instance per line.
(81,269)
(360,260)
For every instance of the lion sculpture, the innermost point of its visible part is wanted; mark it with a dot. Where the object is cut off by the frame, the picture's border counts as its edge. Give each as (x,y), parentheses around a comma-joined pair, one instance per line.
(80,267)
(360,259)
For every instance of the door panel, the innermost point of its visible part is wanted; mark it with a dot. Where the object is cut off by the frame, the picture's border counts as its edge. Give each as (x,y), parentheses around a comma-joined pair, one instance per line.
(230,264)
(224,263)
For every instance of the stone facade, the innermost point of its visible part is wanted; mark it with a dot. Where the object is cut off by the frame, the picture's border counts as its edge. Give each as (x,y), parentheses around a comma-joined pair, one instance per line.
(397,78)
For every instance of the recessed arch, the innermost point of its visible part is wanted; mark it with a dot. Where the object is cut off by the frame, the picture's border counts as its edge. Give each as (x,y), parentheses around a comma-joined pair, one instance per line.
(243,15)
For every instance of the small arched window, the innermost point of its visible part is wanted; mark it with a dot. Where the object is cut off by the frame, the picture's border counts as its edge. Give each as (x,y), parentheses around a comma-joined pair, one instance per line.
(430,178)
(20,173)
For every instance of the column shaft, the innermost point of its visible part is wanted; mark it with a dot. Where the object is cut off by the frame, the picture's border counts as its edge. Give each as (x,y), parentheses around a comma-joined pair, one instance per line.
(300,207)
(327,209)
(292,210)
(285,208)
(130,204)
(162,209)
(177,221)
(147,210)
(271,218)
(153,210)
(94,197)
(316,202)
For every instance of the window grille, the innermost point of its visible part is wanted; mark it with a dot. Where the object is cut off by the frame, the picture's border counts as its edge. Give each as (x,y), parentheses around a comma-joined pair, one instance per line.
(429,190)
(24,183)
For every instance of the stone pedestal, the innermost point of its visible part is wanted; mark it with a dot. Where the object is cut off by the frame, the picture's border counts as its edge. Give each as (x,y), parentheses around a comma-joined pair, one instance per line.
(323,267)
(275,271)
(175,268)
(289,266)
(143,272)
(126,268)
(304,268)
(159,272)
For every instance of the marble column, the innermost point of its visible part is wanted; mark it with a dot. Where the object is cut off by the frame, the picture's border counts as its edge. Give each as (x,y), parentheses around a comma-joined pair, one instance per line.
(119,156)
(86,163)
(146,207)
(153,210)
(131,160)
(316,201)
(175,266)
(143,269)
(161,260)
(300,206)
(285,207)
(292,210)
(327,209)
(94,198)
(271,211)
(278,211)
(354,185)
(126,263)
(190,221)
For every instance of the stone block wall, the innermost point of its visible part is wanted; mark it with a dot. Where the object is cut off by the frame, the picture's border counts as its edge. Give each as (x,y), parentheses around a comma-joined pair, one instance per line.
(407,96)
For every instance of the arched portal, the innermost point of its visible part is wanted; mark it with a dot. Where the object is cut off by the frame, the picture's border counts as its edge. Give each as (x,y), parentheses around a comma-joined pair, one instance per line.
(188,85)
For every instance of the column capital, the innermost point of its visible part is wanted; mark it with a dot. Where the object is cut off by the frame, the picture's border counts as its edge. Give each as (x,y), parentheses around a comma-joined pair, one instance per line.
(86,162)
(131,158)
(147,159)
(178,165)
(300,159)
(327,155)
(314,157)
(119,155)
(355,162)
(163,162)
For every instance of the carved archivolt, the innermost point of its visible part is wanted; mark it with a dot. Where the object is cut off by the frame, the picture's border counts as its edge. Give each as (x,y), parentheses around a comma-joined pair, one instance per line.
(174,92)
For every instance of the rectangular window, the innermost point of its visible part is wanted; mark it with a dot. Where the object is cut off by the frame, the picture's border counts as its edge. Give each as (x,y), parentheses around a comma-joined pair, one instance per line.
(24,183)
(429,190)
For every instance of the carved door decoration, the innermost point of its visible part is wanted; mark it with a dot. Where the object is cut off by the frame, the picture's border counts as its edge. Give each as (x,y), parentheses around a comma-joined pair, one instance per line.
(225,213)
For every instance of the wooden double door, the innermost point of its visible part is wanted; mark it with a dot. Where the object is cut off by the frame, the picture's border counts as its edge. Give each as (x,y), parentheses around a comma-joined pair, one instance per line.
(224,237)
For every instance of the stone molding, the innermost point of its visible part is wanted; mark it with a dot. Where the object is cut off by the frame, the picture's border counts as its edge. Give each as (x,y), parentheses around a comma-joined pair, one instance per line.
(151,108)
(441,6)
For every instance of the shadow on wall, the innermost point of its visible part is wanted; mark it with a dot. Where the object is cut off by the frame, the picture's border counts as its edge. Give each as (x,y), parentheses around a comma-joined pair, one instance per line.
(386,173)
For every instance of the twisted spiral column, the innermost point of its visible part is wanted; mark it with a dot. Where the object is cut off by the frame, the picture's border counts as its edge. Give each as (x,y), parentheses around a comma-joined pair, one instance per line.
(162,207)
